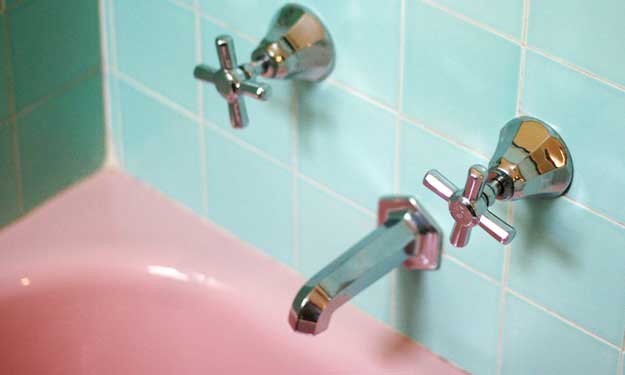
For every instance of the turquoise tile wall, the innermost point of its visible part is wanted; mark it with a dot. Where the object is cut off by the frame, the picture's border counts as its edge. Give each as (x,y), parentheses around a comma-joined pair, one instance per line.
(51,104)
(418,85)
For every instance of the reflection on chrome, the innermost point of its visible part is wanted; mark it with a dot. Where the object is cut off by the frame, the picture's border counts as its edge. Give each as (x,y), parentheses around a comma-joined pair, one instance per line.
(297,46)
(531,161)
(407,234)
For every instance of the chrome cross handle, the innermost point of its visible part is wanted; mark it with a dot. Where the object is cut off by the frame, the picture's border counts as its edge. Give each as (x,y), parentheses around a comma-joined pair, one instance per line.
(233,81)
(469,208)
(531,161)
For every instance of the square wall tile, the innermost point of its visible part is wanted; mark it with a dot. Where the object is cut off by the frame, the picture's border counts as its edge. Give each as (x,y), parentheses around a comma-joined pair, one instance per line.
(51,45)
(366,38)
(61,141)
(589,116)
(346,143)
(538,343)
(572,262)
(271,122)
(459,79)
(250,196)
(9,207)
(504,16)
(421,151)
(156,46)
(327,228)
(367,59)
(453,312)
(4,86)
(161,147)
(249,16)
(588,34)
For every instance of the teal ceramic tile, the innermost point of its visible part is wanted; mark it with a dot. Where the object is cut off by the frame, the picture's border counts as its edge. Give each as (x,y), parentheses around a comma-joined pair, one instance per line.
(586,33)
(453,312)
(459,79)
(366,36)
(9,207)
(572,262)
(250,196)
(4,87)
(346,143)
(270,125)
(161,147)
(367,59)
(327,228)
(589,116)
(537,343)
(504,16)
(61,141)
(420,152)
(156,46)
(51,45)
(249,16)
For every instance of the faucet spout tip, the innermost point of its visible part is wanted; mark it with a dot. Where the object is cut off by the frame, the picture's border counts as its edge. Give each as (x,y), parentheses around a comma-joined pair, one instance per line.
(306,326)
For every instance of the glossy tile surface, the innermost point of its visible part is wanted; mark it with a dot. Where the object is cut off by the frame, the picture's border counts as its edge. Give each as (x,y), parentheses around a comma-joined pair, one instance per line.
(587,34)
(504,16)
(161,147)
(9,207)
(51,46)
(367,60)
(328,228)
(537,343)
(586,254)
(156,46)
(589,116)
(459,79)
(270,125)
(61,141)
(462,82)
(366,37)
(421,151)
(433,305)
(250,197)
(345,143)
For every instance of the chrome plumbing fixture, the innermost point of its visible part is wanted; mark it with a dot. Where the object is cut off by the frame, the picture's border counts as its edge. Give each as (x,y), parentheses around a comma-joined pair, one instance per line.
(531,161)
(406,234)
(297,46)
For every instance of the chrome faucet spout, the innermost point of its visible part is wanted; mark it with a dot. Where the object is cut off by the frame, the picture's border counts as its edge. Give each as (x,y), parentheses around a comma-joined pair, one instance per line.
(405,234)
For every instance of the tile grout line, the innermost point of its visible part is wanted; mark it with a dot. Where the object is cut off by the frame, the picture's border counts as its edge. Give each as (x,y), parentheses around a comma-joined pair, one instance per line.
(151,93)
(13,113)
(200,107)
(576,68)
(562,318)
(537,50)
(110,158)
(114,64)
(294,174)
(430,130)
(396,178)
(66,86)
(473,270)
(471,21)
(621,360)
(167,102)
(505,274)
(502,294)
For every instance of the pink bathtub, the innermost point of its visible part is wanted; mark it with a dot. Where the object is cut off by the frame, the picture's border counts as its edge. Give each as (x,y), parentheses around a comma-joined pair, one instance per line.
(111,278)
